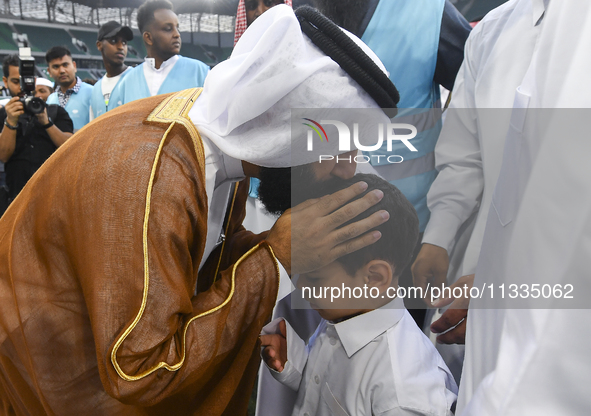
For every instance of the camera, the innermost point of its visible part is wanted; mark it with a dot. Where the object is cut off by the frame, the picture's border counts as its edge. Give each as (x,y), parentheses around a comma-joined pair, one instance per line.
(33,105)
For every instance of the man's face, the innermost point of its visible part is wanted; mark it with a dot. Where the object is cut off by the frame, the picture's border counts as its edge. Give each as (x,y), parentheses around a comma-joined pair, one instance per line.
(254,8)
(13,82)
(114,50)
(283,188)
(164,35)
(43,92)
(63,70)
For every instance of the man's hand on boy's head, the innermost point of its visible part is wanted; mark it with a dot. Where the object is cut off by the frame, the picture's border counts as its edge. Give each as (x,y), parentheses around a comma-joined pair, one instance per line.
(275,348)
(308,236)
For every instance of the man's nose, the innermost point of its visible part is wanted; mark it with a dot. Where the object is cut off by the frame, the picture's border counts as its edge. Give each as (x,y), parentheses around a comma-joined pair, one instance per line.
(346,166)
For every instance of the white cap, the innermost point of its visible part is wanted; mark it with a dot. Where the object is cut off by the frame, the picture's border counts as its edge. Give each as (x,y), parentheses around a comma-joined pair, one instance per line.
(44,81)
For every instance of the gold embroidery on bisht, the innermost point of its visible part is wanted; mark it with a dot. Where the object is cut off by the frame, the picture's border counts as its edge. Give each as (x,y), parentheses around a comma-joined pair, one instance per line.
(173,110)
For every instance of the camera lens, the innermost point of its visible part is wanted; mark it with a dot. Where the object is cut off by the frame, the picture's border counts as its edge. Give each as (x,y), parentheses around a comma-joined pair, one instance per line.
(34,105)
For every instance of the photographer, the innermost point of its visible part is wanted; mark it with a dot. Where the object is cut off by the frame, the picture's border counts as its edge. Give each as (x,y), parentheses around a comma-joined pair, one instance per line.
(27,140)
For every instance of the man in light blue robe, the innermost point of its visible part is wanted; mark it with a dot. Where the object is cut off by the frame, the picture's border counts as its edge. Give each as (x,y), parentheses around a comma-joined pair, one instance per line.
(164,70)
(112,44)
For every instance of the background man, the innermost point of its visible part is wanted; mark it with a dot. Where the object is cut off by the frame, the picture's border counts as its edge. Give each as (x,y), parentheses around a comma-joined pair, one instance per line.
(535,360)
(469,154)
(26,141)
(43,88)
(112,44)
(72,94)
(164,70)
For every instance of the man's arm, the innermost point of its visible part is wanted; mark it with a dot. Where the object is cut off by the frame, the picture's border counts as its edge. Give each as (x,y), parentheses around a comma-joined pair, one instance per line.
(456,192)
(452,37)
(14,108)
(55,132)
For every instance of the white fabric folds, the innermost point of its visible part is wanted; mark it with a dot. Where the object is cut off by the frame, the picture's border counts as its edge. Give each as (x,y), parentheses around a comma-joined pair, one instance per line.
(245,108)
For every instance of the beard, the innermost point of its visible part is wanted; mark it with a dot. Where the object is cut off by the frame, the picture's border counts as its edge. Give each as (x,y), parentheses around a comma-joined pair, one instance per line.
(284,188)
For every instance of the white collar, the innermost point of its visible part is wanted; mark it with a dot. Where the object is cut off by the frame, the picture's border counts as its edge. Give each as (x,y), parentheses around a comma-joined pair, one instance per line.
(357,332)
(151,62)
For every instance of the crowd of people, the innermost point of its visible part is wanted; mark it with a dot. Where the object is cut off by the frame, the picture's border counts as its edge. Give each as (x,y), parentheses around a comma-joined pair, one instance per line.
(84,102)
(130,286)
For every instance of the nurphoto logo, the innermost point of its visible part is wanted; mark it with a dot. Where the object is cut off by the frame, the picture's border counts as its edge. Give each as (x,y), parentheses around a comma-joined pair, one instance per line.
(390,132)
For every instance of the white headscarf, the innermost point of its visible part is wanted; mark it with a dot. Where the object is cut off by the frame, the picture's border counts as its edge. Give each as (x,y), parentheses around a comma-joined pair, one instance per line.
(245,107)
(43,81)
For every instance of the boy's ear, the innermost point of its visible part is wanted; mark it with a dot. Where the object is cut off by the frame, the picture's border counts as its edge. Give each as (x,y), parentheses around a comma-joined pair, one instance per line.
(378,273)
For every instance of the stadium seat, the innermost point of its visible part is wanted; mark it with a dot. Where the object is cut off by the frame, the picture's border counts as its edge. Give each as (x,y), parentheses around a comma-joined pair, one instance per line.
(6,41)
(89,38)
(44,38)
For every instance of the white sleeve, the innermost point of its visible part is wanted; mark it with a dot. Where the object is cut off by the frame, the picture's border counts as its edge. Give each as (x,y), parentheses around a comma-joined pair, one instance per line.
(285,284)
(297,355)
(456,192)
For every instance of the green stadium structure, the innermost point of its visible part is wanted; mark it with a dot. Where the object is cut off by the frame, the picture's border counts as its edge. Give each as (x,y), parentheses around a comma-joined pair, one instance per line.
(89,38)
(138,45)
(42,39)
(6,41)
(43,36)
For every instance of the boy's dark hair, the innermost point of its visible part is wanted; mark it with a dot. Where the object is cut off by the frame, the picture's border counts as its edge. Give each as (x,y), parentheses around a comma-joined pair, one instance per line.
(399,234)
(145,13)
(9,60)
(57,52)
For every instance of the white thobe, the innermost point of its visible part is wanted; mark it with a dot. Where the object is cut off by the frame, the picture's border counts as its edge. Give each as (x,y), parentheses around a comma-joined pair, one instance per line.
(469,151)
(539,230)
(377,363)
(155,77)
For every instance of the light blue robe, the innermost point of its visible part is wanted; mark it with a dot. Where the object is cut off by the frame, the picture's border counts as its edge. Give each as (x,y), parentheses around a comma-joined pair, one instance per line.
(97,103)
(186,73)
(404,34)
(78,106)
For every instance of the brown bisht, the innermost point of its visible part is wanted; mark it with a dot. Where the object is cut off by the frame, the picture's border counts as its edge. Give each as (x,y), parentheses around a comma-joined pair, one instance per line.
(99,261)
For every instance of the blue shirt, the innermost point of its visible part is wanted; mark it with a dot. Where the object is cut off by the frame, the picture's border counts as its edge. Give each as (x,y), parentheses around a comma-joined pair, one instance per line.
(76,101)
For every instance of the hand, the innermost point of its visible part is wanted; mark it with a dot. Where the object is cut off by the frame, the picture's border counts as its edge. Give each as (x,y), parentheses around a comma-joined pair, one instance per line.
(455,316)
(43,118)
(275,351)
(14,109)
(430,267)
(308,236)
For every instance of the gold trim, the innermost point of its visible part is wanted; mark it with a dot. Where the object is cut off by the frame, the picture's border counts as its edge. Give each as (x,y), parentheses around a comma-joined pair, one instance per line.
(276,268)
(146,269)
(175,108)
(178,365)
(172,112)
